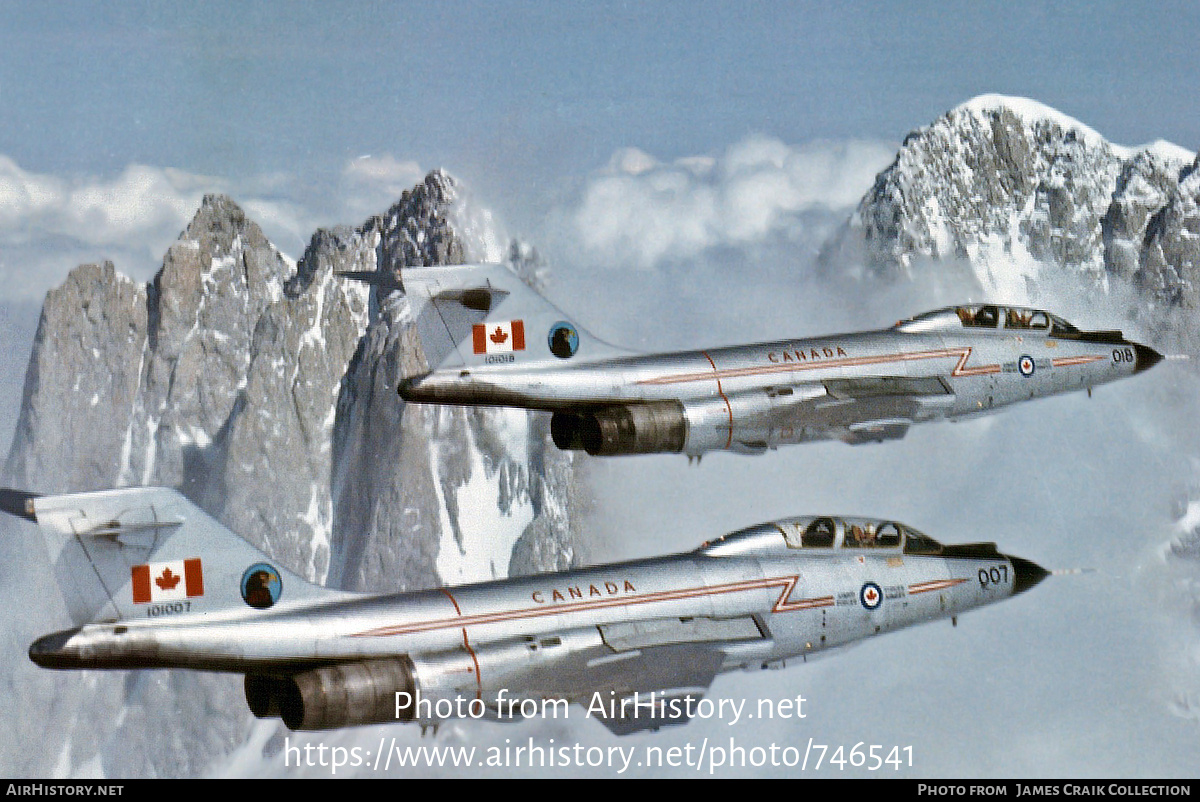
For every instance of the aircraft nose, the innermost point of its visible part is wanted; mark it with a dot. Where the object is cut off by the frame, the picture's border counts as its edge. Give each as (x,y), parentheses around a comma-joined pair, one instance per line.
(1026,574)
(1147,358)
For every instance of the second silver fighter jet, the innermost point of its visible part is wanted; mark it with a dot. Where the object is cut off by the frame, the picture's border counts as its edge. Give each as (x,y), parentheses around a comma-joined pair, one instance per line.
(494,341)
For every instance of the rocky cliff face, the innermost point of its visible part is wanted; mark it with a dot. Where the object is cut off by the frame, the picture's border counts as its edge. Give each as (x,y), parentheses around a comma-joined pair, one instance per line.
(1152,229)
(1008,187)
(266,389)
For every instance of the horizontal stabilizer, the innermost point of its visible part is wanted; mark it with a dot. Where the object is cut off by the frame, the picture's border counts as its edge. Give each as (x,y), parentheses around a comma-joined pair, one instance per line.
(384,281)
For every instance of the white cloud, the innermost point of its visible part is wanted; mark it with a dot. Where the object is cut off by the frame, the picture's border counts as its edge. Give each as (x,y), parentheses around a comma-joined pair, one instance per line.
(637,211)
(49,223)
(641,211)
(632,161)
(385,170)
(369,184)
(139,200)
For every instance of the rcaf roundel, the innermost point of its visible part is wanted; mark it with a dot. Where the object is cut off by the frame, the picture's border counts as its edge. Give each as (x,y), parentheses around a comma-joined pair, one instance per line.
(1025,365)
(499,338)
(170,581)
(870,596)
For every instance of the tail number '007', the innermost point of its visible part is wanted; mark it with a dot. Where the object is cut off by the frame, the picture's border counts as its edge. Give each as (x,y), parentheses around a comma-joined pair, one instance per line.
(1123,355)
(996,575)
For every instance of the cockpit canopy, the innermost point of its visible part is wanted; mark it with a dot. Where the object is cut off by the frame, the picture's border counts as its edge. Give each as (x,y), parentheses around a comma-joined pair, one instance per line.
(828,533)
(988,316)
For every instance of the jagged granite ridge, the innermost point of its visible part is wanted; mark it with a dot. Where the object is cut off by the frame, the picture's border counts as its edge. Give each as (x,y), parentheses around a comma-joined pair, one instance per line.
(1152,230)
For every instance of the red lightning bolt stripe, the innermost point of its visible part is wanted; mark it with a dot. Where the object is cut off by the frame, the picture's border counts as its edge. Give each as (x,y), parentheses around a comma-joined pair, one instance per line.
(940,584)
(782,605)
(960,369)
(1075,360)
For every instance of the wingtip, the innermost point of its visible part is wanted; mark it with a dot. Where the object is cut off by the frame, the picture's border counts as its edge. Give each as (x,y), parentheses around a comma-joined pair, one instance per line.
(18,503)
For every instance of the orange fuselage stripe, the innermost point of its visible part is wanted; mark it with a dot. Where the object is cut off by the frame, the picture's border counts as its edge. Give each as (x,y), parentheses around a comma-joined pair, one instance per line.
(940,584)
(782,605)
(1075,360)
(960,369)
(785,583)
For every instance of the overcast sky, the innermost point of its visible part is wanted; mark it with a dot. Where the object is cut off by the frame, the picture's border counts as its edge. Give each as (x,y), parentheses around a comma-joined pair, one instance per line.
(650,142)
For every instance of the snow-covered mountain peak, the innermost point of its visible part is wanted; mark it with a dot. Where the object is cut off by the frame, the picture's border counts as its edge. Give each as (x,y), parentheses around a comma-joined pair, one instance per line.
(1008,186)
(1031,113)
(1035,115)
(218,220)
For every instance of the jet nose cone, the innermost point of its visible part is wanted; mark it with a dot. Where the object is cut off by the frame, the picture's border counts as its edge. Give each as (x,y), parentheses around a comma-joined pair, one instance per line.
(1147,358)
(1026,574)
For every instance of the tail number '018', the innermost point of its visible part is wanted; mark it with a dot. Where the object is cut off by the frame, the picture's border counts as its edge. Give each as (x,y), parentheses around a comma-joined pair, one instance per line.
(996,575)
(1123,355)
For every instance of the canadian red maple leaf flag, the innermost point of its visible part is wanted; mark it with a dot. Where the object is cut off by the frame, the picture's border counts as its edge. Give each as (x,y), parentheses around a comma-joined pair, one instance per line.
(169,581)
(499,338)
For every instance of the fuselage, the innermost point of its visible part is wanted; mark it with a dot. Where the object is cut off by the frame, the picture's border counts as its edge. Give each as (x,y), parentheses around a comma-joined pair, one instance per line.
(855,387)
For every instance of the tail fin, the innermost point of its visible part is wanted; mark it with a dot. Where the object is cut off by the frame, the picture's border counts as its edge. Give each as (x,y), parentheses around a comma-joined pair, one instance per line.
(473,315)
(139,551)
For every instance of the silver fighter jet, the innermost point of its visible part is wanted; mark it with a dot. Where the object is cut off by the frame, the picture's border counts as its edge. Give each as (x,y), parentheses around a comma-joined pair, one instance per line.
(153,582)
(495,341)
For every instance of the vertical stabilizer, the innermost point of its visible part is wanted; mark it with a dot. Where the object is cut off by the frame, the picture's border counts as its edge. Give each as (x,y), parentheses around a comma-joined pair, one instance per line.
(147,551)
(477,315)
